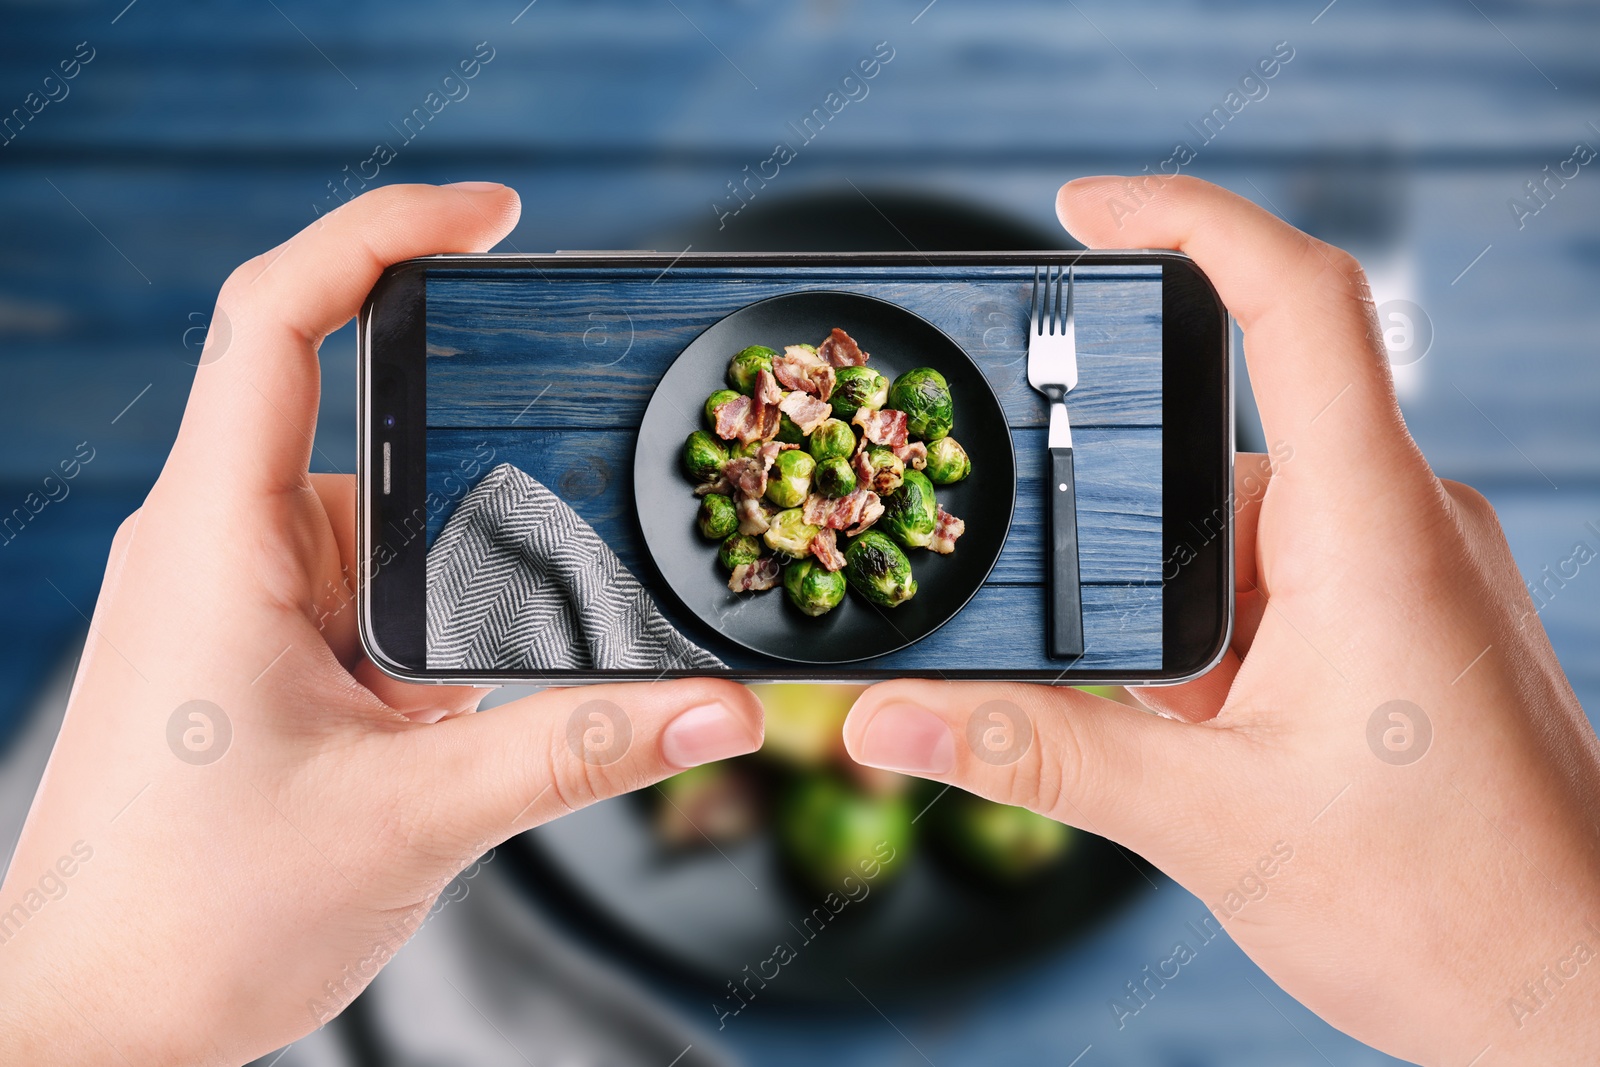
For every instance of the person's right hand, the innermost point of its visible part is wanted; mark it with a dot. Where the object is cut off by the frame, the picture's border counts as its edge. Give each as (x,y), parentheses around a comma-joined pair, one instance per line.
(1436,894)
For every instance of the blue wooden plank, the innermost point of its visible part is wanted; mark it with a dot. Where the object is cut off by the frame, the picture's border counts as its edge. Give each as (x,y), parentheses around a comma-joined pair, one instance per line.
(498,344)
(81,332)
(984,77)
(1119,501)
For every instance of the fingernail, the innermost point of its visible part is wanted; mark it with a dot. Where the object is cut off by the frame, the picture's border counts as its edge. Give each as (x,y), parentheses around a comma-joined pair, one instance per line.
(902,737)
(704,735)
(474,187)
(428,714)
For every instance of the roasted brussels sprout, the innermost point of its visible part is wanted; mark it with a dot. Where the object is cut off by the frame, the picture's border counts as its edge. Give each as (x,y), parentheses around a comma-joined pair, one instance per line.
(835,477)
(717,518)
(909,513)
(740,548)
(788,432)
(790,478)
(813,588)
(856,388)
(789,532)
(924,396)
(888,470)
(947,462)
(703,456)
(715,401)
(832,439)
(877,569)
(746,449)
(742,368)
(830,832)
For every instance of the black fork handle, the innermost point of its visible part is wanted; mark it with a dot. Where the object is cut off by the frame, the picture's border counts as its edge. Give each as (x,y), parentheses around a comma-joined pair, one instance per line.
(1064,619)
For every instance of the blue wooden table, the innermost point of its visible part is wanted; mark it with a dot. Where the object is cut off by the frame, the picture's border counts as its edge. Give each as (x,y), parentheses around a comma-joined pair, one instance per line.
(202,135)
(513,365)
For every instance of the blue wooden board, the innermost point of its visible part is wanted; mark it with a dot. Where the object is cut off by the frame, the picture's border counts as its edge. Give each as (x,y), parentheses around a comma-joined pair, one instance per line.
(553,368)
(202,135)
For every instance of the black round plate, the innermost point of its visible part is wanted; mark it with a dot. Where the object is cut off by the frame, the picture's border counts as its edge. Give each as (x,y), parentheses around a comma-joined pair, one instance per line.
(766,622)
(709,913)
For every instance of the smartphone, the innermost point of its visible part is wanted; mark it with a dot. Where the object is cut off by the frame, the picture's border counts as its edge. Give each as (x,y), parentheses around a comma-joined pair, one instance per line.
(601,466)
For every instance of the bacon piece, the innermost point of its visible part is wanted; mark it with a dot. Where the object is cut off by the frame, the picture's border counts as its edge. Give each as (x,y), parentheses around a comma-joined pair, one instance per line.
(752,516)
(806,410)
(946,528)
(837,513)
(768,453)
(802,369)
(751,418)
(721,487)
(731,416)
(747,475)
(841,350)
(886,427)
(748,577)
(871,512)
(826,548)
(764,406)
(913,454)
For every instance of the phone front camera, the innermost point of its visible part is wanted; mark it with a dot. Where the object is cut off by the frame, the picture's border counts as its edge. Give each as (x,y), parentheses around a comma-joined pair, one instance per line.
(388,421)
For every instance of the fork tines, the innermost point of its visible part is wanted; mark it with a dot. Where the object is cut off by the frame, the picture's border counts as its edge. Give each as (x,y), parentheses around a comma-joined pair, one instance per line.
(1055,314)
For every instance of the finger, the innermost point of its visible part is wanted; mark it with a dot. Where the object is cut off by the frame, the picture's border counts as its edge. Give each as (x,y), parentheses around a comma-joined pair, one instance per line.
(417,702)
(1252,477)
(335,606)
(1203,698)
(512,767)
(252,410)
(1197,700)
(1087,761)
(1317,361)
(334,603)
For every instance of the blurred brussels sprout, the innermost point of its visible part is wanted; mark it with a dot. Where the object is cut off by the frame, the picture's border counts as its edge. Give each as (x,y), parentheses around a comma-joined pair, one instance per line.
(909,513)
(833,439)
(805,722)
(715,401)
(789,532)
(835,478)
(877,569)
(703,456)
(947,462)
(813,588)
(924,396)
(856,388)
(744,366)
(744,448)
(888,470)
(788,432)
(790,478)
(830,832)
(718,518)
(740,548)
(997,841)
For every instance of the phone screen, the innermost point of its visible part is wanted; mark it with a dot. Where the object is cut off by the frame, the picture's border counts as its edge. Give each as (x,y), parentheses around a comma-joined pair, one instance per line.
(823,470)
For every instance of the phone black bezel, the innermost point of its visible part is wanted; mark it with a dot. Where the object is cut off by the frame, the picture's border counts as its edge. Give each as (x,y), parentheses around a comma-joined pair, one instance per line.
(1197,480)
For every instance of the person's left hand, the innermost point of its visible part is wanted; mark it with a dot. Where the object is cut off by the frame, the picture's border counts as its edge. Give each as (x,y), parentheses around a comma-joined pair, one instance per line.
(203,883)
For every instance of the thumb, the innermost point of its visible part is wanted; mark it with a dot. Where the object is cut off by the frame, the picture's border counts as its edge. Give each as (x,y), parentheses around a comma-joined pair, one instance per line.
(1080,759)
(252,412)
(499,772)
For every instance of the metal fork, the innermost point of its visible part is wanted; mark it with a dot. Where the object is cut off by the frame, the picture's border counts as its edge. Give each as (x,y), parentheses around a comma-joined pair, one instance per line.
(1053,371)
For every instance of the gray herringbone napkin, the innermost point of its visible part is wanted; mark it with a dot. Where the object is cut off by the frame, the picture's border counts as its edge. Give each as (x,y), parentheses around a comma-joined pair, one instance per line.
(517,581)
